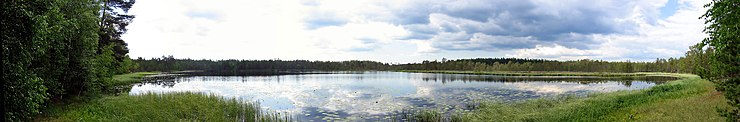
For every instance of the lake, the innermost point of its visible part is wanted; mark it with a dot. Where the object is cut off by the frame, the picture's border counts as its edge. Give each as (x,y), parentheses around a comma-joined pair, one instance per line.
(376,95)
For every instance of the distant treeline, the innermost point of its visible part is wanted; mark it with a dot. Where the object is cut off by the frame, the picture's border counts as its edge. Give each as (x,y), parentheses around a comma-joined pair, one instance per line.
(169,63)
(585,65)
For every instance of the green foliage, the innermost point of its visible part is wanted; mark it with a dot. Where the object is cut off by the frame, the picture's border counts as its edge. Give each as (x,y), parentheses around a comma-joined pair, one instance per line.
(698,60)
(69,31)
(104,68)
(112,25)
(49,53)
(24,97)
(130,78)
(126,66)
(23,92)
(169,107)
(724,37)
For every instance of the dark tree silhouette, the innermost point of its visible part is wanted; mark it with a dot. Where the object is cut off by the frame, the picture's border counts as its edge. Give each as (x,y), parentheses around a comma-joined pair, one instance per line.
(112,25)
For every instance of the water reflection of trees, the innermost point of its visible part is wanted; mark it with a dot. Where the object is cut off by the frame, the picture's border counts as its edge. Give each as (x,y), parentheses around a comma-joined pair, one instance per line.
(171,80)
(264,72)
(161,80)
(627,81)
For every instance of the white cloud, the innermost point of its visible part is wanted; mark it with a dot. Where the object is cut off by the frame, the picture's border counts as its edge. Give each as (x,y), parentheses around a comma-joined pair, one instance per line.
(368,29)
(357,36)
(668,37)
(556,52)
(226,29)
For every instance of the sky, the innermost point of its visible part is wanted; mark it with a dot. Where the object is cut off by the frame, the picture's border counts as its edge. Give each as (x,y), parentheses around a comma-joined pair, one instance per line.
(403,31)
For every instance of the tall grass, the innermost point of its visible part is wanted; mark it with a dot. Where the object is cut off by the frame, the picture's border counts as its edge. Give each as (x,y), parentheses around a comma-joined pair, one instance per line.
(184,106)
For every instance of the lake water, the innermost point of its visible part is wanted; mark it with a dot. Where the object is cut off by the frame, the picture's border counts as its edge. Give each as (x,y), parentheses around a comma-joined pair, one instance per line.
(378,95)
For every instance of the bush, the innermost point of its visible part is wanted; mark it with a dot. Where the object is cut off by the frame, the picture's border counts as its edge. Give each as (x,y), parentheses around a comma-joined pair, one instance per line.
(48,47)
(23,97)
(724,37)
(23,92)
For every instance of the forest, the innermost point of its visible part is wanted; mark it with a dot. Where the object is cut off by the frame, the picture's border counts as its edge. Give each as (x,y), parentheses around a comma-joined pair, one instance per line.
(675,65)
(56,50)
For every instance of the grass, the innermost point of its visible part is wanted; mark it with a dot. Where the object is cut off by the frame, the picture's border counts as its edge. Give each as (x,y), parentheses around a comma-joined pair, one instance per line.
(692,108)
(126,79)
(431,116)
(688,99)
(532,73)
(182,106)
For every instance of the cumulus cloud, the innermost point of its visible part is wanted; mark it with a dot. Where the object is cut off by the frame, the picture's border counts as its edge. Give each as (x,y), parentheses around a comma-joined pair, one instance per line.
(357,36)
(480,41)
(367,29)
(560,22)
(668,37)
(507,24)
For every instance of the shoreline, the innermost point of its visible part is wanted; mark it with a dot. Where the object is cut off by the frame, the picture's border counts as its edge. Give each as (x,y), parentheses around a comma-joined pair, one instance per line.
(632,105)
(540,73)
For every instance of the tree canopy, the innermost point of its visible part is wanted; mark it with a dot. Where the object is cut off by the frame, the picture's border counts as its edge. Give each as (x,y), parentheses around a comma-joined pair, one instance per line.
(53,49)
(723,19)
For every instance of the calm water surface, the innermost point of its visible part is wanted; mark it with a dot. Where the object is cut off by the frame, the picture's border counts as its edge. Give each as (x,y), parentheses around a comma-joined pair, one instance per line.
(378,95)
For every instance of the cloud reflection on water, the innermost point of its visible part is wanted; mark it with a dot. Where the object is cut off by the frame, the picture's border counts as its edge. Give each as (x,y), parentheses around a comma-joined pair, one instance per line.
(378,93)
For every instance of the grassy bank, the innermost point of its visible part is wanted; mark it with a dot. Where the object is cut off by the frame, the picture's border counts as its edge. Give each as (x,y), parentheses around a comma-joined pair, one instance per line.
(167,107)
(184,106)
(131,78)
(531,73)
(688,99)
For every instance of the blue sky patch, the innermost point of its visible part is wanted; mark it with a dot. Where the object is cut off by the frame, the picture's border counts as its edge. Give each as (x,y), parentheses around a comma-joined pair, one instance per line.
(669,9)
